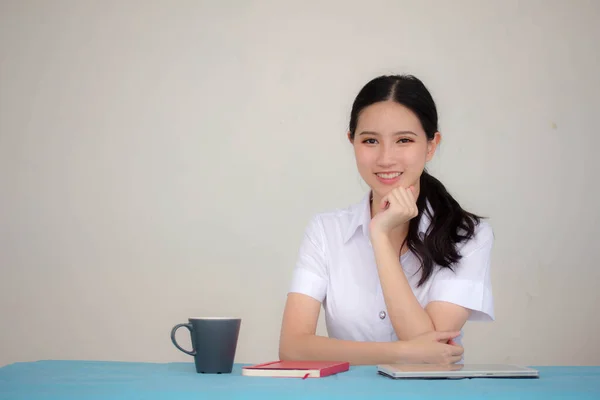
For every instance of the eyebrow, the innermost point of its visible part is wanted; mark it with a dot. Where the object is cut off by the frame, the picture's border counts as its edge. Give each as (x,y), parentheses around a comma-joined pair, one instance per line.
(395,134)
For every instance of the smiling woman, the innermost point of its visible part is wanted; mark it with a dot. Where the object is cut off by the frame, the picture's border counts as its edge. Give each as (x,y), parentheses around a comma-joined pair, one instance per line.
(399,273)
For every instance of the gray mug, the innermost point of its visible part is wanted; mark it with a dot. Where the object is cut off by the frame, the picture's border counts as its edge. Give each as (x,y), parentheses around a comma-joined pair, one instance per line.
(214,343)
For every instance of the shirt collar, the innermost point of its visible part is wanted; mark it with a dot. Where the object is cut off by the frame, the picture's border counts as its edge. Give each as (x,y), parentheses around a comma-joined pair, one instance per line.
(361,217)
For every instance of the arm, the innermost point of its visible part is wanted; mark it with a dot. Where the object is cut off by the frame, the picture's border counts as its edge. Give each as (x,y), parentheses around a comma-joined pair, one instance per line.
(299,342)
(408,318)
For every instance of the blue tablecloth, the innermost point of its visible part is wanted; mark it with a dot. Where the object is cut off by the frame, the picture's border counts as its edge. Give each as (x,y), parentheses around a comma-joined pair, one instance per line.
(65,380)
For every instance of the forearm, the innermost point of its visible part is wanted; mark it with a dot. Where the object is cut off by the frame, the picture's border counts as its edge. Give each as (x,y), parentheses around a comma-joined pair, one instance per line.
(311,347)
(408,318)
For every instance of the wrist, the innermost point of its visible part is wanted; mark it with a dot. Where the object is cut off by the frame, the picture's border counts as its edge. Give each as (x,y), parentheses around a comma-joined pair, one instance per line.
(379,235)
(402,351)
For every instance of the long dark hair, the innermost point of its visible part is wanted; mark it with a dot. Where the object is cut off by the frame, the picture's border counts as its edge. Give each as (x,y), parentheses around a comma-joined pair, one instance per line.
(450,224)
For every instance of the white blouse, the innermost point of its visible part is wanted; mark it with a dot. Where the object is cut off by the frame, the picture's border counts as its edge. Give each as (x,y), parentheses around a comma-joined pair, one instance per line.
(336,266)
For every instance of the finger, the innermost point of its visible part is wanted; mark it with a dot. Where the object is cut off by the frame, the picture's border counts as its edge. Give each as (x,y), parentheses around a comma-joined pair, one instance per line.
(446,335)
(410,201)
(413,196)
(406,201)
(383,204)
(457,350)
(455,359)
(397,193)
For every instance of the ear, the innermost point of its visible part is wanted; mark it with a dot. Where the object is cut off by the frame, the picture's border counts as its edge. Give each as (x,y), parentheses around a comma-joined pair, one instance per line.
(350,138)
(432,145)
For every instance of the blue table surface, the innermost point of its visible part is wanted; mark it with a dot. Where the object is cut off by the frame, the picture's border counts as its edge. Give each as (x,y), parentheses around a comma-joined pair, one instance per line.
(66,380)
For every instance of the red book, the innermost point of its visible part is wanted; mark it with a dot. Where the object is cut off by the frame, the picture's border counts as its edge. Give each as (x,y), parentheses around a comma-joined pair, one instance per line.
(296,369)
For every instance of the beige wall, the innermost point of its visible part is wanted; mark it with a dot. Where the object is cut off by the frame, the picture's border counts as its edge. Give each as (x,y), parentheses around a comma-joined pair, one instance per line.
(154,162)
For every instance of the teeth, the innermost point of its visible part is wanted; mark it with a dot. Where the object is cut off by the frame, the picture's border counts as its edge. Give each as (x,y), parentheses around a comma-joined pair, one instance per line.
(390,176)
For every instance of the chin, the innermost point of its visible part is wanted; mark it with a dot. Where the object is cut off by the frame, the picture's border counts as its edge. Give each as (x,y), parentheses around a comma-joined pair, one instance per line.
(380,192)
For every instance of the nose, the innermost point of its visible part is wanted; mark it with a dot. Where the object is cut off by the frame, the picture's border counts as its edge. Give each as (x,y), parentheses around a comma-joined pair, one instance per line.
(385,158)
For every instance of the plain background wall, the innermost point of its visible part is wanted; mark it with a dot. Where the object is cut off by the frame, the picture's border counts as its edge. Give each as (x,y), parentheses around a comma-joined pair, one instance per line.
(160,159)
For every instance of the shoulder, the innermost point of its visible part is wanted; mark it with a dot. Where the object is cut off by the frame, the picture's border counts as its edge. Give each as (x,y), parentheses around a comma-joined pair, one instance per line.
(483,237)
(339,222)
(331,220)
(338,217)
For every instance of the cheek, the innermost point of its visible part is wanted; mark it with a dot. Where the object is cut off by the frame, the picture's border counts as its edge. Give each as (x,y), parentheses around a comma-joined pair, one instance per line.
(363,158)
(415,159)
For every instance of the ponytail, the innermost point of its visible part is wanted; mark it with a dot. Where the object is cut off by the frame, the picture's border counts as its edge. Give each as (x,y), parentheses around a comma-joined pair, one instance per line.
(449,226)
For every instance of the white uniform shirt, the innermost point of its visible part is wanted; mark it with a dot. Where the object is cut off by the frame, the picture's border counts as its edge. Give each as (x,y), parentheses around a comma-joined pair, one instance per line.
(336,266)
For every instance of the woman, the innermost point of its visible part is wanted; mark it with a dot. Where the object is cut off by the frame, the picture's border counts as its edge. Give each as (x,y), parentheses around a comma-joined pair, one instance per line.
(399,273)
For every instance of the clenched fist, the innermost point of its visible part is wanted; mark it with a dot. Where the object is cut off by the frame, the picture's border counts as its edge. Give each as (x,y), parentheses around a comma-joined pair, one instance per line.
(396,208)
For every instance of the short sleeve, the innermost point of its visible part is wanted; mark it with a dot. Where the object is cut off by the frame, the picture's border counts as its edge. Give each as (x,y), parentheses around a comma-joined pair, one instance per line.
(310,274)
(469,284)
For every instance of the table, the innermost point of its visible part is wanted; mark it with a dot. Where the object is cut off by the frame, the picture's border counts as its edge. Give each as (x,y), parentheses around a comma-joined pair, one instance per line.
(66,380)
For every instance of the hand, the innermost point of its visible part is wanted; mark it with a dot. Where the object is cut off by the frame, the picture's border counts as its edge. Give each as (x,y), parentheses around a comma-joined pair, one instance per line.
(431,348)
(396,208)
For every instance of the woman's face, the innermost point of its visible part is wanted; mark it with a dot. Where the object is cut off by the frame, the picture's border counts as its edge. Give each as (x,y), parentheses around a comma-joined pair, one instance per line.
(391,147)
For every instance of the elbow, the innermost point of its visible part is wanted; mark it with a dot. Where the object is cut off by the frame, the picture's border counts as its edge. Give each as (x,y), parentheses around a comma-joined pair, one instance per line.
(287,352)
(290,350)
(284,355)
(283,351)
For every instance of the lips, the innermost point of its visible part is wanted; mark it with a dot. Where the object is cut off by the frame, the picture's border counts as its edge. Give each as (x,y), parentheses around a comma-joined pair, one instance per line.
(388,175)
(388,178)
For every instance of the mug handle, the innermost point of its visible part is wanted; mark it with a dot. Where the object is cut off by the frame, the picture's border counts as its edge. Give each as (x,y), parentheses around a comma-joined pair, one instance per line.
(189,326)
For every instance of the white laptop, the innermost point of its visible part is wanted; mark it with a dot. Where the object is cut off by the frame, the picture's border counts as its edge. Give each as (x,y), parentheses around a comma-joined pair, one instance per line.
(455,371)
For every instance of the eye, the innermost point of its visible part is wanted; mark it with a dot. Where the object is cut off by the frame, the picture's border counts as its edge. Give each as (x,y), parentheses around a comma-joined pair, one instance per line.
(405,140)
(370,141)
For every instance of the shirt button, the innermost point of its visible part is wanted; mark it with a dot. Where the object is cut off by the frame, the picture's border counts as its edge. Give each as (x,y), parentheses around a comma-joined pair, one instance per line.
(382,315)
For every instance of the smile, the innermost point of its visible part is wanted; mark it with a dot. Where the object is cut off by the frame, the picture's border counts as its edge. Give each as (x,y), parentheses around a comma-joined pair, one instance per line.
(389,175)
(388,178)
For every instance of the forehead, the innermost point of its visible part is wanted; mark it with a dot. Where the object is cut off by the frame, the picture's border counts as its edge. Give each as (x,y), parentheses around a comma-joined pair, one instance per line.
(388,117)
